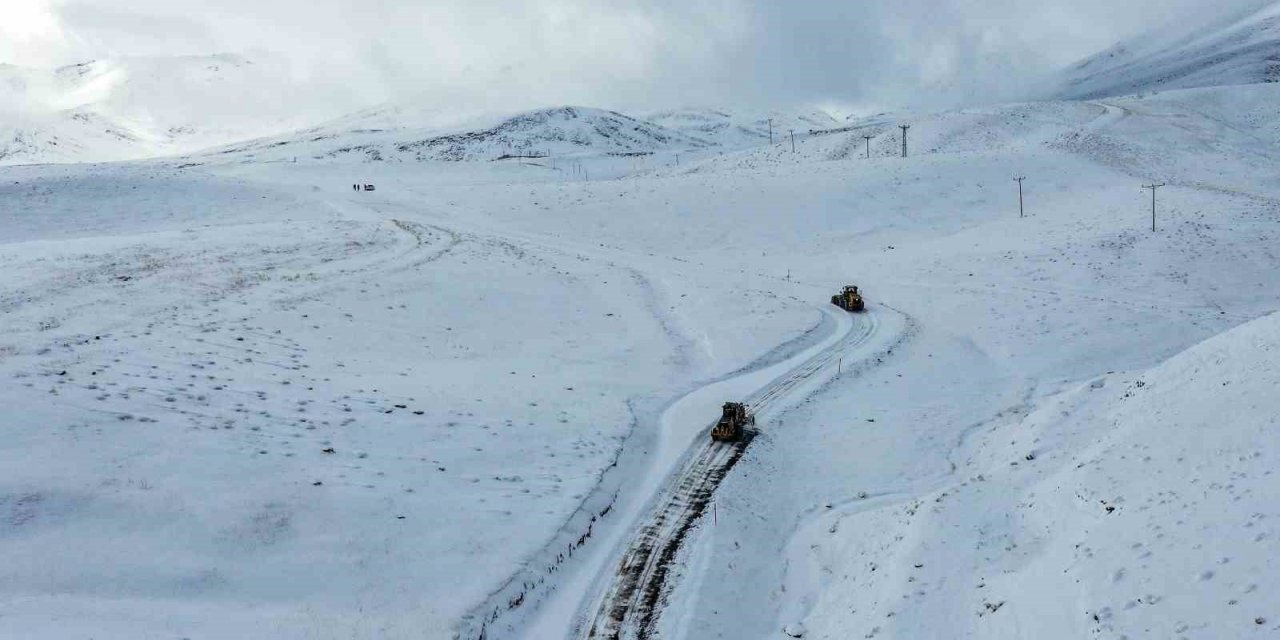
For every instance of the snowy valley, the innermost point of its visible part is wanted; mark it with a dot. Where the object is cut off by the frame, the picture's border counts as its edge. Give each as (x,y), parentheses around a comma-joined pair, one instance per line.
(247,398)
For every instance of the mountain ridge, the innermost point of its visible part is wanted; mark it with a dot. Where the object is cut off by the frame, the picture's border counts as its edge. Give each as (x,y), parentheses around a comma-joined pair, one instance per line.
(1238,47)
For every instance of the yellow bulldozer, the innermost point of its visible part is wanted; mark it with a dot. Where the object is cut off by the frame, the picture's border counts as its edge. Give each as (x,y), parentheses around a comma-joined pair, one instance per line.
(733,419)
(849,299)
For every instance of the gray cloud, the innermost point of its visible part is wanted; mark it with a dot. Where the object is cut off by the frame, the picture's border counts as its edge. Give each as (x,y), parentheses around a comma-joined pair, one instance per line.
(496,54)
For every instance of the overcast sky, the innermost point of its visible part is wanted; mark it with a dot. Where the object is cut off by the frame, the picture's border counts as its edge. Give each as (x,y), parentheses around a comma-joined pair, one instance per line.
(614,53)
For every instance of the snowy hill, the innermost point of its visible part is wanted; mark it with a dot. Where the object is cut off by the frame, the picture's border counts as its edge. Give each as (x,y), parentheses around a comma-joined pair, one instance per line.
(134,108)
(70,136)
(39,122)
(1135,505)
(382,135)
(1241,47)
(129,108)
(731,130)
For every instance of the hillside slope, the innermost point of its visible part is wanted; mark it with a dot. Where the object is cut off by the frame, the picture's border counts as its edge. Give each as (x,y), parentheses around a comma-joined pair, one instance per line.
(139,107)
(383,136)
(1135,506)
(732,130)
(1241,47)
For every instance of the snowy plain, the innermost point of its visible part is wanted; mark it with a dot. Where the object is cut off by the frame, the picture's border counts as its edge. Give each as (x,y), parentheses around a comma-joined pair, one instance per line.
(245,400)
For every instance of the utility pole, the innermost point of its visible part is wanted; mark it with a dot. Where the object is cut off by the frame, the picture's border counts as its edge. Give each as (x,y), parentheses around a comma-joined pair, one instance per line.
(770,130)
(1021,211)
(868,139)
(904,128)
(1153,188)
(793,141)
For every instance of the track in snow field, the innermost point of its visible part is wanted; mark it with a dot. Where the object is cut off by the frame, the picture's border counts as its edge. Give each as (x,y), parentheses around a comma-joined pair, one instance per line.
(633,599)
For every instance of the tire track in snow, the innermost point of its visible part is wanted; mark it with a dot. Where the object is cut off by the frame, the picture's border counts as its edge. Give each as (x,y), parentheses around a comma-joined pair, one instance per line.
(423,251)
(633,598)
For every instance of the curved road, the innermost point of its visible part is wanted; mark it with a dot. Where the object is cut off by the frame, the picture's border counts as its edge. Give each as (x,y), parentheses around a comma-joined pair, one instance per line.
(629,604)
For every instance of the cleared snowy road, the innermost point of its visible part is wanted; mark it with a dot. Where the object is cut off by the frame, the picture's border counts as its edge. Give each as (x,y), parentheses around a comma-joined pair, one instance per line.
(636,586)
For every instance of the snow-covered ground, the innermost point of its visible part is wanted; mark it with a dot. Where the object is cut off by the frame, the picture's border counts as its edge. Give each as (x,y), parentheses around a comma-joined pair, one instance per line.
(244,400)
(1134,505)
(183,349)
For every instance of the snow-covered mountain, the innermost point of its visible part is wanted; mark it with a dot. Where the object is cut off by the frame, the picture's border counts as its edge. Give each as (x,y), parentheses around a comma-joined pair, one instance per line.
(259,108)
(138,107)
(727,129)
(399,135)
(1241,47)
(69,136)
